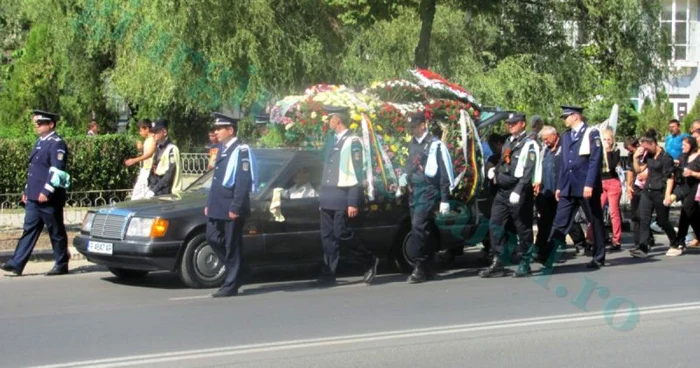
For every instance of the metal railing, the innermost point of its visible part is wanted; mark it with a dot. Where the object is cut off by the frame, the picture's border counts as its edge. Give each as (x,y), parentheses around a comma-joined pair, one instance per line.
(194,163)
(77,203)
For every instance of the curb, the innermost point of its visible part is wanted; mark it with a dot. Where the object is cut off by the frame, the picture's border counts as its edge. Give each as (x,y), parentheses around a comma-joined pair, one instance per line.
(42,255)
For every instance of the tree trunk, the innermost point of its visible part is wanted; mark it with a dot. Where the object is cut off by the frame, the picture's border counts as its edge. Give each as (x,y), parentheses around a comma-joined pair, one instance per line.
(427,15)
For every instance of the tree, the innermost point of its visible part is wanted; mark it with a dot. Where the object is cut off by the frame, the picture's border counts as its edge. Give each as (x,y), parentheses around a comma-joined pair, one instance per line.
(655,114)
(693,115)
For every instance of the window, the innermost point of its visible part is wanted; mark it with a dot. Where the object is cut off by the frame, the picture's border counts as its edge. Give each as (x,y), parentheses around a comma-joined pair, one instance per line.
(675,18)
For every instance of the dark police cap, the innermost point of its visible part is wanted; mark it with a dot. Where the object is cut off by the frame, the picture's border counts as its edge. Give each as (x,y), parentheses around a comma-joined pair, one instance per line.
(159,124)
(262,119)
(44,116)
(414,119)
(570,110)
(514,118)
(336,110)
(223,120)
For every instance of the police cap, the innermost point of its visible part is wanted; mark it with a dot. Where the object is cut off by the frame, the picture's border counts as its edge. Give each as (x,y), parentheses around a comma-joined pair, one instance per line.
(414,119)
(44,117)
(223,120)
(514,118)
(570,110)
(340,111)
(159,124)
(262,119)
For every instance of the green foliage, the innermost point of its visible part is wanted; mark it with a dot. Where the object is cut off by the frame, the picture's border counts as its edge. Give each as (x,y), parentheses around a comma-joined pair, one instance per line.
(693,115)
(656,115)
(94,163)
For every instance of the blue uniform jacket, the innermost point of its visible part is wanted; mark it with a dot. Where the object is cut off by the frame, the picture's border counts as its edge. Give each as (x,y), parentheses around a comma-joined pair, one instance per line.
(222,200)
(578,171)
(48,151)
(337,198)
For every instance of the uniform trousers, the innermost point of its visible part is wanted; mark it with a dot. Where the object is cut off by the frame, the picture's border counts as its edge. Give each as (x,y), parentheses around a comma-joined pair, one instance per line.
(547,209)
(653,201)
(520,214)
(335,234)
(226,239)
(36,215)
(422,205)
(564,220)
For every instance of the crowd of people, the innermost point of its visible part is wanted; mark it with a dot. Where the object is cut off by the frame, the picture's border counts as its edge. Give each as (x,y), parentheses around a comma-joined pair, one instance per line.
(542,176)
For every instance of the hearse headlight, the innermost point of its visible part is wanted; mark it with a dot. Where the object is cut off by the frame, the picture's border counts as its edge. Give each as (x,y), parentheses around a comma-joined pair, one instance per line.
(147,227)
(87,222)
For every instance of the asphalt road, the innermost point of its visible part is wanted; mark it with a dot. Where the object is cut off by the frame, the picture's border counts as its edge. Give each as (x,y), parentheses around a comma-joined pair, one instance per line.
(630,313)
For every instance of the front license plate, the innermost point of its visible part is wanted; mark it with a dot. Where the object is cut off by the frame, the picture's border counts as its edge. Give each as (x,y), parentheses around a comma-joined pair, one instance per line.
(99,247)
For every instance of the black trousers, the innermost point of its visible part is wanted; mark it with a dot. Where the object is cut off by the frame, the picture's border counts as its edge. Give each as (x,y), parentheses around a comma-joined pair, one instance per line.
(634,209)
(226,239)
(564,221)
(520,214)
(336,234)
(547,209)
(653,201)
(36,215)
(422,205)
(690,216)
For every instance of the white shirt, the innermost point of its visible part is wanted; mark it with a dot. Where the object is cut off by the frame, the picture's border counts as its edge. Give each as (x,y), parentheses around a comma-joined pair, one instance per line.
(420,140)
(229,143)
(48,135)
(575,131)
(340,135)
(514,137)
(299,192)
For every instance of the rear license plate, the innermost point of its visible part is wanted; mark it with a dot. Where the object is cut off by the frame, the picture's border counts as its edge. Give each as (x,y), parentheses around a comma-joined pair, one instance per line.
(99,247)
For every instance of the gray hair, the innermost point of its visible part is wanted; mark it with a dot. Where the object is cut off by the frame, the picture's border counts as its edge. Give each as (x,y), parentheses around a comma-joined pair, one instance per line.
(547,130)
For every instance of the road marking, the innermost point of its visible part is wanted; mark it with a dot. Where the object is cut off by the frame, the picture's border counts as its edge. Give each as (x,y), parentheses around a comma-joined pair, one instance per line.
(191,297)
(363,338)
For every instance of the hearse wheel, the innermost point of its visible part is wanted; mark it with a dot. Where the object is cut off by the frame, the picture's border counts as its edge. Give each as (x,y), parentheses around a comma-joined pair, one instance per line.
(200,267)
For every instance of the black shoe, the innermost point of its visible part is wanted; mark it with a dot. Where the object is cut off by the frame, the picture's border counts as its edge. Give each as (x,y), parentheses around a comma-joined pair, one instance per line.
(496,269)
(326,281)
(588,250)
(372,271)
(523,270)
(616,248)
(10,268)
(421,273)
(641,252)
(594,265)
(221,293)
(58,270)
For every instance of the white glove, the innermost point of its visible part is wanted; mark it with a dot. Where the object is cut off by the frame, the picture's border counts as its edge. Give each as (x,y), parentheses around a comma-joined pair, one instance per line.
(491,173)
(150,194)
(514,198)
(403,180)
(444,208)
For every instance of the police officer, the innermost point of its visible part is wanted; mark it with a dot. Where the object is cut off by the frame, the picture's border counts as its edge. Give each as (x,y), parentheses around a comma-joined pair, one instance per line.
(341,196)
(228,202)
(579,184)
(165,173)
(44,196)
(513,177)
(429,177)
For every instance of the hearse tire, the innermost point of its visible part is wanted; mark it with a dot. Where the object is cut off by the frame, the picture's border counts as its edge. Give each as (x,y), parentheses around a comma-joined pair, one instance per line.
(200,267)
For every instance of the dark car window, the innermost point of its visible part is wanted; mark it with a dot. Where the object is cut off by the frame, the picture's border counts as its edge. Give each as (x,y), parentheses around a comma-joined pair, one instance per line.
(270,163)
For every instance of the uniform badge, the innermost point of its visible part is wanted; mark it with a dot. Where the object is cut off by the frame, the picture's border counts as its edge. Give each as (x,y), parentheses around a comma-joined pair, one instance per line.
(532,155)
(60,156)
(245,166)
(597,143)
(357,156)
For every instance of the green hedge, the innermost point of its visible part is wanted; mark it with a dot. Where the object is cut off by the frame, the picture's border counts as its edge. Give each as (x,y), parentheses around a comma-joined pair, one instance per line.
(94,163)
